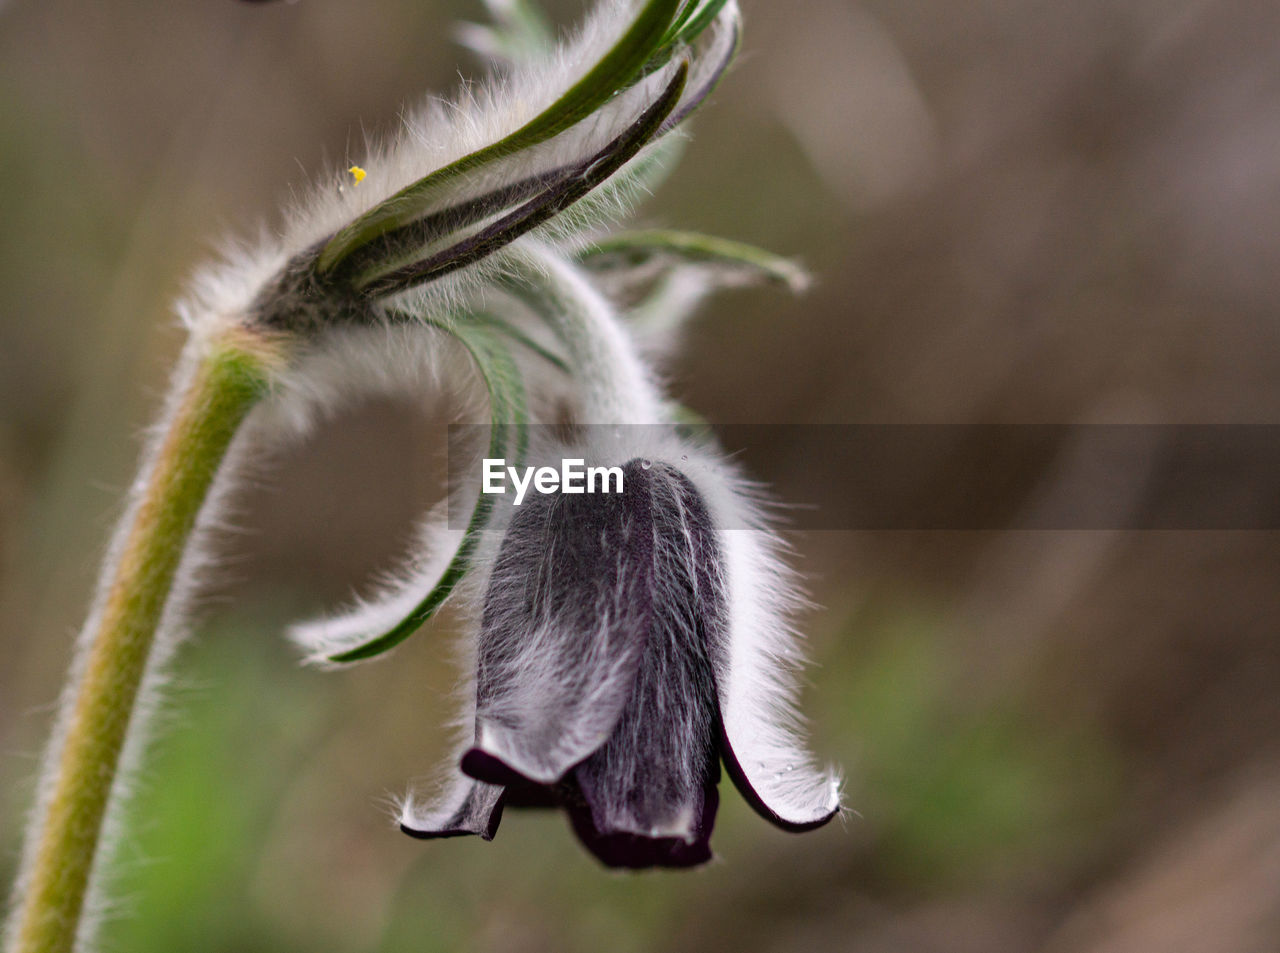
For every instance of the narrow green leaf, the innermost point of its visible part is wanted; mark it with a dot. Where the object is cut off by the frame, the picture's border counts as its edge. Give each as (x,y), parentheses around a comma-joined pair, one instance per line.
(519,337)
(508,438)
(402,246)
(617,70)
(691,23)
(636,248)
(553,200)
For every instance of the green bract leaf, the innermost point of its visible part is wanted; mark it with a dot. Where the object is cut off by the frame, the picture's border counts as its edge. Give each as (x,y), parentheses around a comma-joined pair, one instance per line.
(520,337)
(694,19)
(618,69)
(567,189)
(427,236)
(508,438)
(638,248)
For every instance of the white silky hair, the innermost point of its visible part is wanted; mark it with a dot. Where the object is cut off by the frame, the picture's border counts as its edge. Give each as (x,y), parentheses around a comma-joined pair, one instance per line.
(613,384)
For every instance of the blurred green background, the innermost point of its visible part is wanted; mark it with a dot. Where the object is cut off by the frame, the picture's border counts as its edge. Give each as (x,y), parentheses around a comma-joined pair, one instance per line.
(1022,212)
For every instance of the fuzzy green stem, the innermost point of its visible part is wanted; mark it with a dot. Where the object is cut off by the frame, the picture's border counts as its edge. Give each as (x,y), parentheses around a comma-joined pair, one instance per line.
(64,835)
(616,385)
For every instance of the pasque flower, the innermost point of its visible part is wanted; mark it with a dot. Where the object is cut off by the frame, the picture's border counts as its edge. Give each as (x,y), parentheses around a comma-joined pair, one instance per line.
(627,647)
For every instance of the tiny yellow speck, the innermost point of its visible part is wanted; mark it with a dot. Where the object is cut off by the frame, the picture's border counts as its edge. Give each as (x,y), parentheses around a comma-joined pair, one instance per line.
(357,173)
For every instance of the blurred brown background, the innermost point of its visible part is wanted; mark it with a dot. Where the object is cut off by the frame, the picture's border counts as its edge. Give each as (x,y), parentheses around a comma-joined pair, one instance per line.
(1017,213)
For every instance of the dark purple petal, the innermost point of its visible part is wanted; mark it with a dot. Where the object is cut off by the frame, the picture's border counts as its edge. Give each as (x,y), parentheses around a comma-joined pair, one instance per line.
(485,767)
(519,791)
(566,619)
(636,852)
(649,780)
(524,794)
(470,807)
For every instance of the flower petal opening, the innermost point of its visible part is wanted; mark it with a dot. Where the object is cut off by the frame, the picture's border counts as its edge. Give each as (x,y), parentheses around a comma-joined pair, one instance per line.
(621,849)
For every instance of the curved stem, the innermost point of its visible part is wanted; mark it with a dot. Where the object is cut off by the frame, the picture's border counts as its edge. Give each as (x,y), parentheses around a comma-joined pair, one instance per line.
(616,385)
(83,763)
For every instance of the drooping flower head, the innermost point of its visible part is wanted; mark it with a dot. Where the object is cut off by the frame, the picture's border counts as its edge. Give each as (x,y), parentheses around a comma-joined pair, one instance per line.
(616,654)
